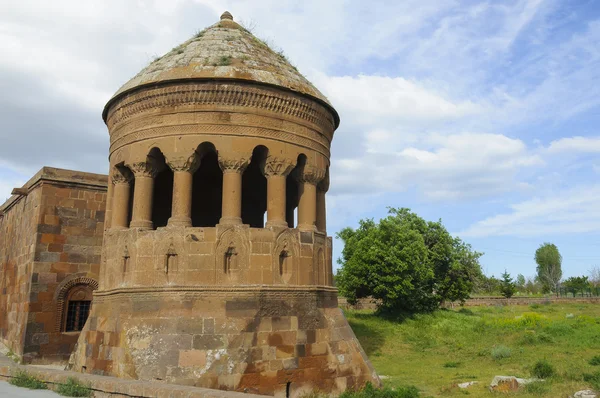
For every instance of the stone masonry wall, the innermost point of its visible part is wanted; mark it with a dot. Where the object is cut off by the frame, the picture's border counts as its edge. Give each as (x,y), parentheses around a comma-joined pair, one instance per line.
(17,249)
(69,244)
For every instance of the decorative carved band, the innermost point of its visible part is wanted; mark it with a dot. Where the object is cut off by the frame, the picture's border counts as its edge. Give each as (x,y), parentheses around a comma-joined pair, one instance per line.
(278,166)
(220,129)
(233,165)
(221,94)
(310,174)
(183,163)
(143,169)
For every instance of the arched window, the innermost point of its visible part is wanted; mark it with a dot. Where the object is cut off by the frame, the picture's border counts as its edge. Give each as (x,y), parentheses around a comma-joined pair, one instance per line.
(207,189)
(162,195)
(254,190)
(77,307)
(74,299)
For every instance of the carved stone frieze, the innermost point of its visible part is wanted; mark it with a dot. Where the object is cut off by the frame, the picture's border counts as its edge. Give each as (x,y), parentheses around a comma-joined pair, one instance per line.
(278,166)
(219,94)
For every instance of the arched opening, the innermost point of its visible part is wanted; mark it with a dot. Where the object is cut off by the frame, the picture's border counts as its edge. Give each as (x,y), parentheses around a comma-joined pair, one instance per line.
(291,192)
(207,188)
(77,307)
(162,195)
(254,189)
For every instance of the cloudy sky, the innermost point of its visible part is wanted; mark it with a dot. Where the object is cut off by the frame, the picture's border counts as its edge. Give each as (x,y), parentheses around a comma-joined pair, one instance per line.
(485,114)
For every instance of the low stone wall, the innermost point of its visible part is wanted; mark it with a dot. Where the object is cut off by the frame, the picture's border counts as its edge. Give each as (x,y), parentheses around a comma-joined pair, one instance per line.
(104,387)
(371,304)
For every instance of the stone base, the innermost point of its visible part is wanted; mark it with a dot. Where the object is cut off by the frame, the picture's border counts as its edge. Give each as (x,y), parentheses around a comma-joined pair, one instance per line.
(279,341)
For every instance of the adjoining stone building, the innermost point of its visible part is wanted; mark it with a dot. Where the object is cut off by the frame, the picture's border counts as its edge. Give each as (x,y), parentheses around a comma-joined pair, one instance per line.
(50,244)
(216,267)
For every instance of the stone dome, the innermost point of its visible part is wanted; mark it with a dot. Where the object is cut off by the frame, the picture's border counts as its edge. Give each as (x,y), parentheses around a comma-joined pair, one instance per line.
(224,51)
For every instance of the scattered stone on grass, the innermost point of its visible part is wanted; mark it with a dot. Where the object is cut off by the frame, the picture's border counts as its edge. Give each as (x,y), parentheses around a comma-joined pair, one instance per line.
(467,384)
(509,383)
(585,394)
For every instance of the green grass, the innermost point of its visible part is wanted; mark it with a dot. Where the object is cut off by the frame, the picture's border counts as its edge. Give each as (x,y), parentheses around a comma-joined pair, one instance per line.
(24,379)
(436,351)
(74,388)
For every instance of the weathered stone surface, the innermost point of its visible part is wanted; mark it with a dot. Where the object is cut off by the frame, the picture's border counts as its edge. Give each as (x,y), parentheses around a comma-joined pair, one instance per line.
(509,383)
(585,394)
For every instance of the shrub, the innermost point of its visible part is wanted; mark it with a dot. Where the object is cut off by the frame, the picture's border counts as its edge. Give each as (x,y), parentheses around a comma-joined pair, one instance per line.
(537,388)
(371,392)
(501,352)
(24,379)
(593,379)
(595,361)
(74,388)
(452,364)
(542,369)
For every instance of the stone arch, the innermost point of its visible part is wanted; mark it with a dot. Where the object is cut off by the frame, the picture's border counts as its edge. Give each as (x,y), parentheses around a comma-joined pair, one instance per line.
(291,191)
(231,257)
(207,188)
(254,189)
(285,258)
(62,295)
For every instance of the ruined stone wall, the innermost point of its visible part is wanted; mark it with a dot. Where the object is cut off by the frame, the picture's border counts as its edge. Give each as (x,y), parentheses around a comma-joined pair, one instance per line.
(69,244)
(18,227)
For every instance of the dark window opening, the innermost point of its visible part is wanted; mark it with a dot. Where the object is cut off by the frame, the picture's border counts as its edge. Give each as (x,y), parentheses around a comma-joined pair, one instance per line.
(254,190)
(162,196)
(130,203)
(287,389)
(207,192)
(291,192)
(77,314)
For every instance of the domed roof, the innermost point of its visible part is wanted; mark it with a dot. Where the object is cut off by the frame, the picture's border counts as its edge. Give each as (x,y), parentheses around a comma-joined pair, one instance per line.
(224,50)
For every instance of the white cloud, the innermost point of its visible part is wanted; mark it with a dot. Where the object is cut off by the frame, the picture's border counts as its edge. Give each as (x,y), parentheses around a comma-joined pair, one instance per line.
(575,144)
(567,212)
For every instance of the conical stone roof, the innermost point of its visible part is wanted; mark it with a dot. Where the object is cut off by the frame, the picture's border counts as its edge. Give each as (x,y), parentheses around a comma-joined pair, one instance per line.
(224,50)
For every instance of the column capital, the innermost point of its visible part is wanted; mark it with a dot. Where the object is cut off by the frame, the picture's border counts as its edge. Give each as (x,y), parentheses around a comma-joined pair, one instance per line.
(119,178)
(184,163)
(233,164)
(323,186)
(275,166)
(144,169)
(310,174)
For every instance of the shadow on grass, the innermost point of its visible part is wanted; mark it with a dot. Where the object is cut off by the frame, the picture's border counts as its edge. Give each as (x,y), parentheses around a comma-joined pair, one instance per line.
(371,339)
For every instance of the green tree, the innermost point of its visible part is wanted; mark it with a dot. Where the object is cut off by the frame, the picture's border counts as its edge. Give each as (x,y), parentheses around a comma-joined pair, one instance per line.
(520,282)
(405,262)
(507,286)
(577,284)
(549,266)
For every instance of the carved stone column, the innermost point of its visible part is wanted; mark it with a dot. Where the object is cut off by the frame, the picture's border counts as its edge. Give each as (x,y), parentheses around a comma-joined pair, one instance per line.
(232,168)
(144,173)
(120,202)
(276,171)
(183,173)
(308,178)
(322,189)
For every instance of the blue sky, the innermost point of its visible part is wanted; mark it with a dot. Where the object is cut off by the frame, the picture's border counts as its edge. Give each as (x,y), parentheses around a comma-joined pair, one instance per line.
(482,113)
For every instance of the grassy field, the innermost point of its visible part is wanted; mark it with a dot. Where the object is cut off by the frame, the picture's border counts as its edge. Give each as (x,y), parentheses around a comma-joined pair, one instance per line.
(435,352)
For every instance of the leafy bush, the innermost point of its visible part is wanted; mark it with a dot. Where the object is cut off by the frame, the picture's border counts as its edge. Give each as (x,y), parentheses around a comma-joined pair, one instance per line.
(593,379)
(542,369)
(537,388)
(405,262)
(500,352)
(371,392)
(74,388)
(24,379)
(595,361)
(452,364)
